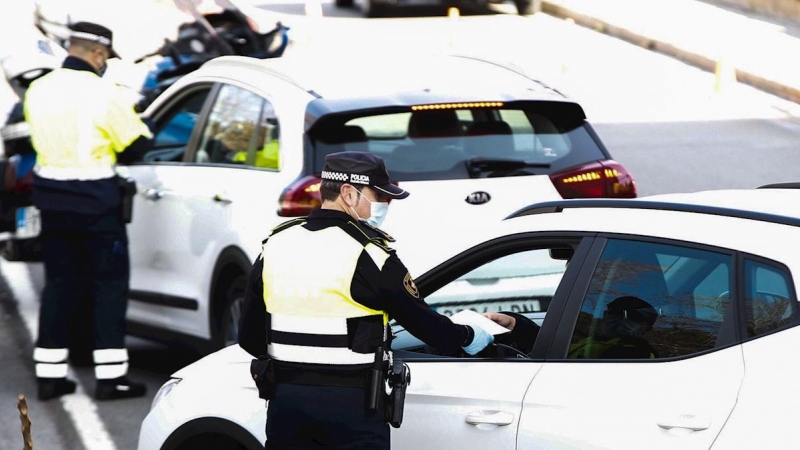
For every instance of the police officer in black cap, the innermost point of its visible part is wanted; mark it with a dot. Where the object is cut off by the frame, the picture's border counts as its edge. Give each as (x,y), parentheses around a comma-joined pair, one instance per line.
(81,126)
(322,321)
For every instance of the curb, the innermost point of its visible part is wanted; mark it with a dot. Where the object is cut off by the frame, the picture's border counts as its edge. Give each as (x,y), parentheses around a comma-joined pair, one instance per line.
(703,62)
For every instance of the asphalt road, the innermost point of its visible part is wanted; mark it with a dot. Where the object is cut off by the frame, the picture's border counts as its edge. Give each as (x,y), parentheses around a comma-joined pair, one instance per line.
(660,118)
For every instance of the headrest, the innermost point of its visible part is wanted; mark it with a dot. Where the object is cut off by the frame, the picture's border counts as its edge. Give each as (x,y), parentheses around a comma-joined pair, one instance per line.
(484,128)
(346,133)
(434,124)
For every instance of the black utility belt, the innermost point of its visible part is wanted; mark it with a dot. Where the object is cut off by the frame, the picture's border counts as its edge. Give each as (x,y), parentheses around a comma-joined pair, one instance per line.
(268,372)
(292,375)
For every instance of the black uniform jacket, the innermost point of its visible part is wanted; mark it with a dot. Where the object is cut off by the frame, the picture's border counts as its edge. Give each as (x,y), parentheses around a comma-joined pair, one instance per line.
(389,289)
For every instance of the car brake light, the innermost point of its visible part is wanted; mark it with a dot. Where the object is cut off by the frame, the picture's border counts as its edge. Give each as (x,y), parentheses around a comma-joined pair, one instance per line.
(599,179)
(470,105)
(300,197)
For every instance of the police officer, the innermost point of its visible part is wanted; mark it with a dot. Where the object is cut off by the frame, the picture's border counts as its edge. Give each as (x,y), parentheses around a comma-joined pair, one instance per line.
(80,126)
(625,323)
(319,300)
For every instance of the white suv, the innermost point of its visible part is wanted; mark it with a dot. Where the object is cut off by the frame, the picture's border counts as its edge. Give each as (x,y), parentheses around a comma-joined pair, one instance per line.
(672,326)
(240,144)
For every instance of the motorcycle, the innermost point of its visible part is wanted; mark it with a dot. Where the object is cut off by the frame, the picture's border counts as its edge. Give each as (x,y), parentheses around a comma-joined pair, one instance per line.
(32,59)
(209,35)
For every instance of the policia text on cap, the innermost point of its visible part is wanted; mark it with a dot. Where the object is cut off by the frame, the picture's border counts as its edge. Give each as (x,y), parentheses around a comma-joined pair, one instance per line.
(325,325)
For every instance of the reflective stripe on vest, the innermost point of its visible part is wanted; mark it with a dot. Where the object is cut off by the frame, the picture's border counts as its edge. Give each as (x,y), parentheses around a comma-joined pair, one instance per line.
(308,295)
(68,173)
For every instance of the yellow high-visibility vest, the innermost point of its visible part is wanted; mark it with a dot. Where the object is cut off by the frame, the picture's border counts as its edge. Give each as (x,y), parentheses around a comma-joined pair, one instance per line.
(78,123)
(312,313)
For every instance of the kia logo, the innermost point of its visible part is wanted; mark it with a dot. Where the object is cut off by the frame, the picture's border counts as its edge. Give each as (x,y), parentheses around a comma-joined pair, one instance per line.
(478,198)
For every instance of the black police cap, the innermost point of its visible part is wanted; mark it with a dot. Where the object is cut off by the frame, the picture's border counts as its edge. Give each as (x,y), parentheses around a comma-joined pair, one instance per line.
(361,168)
(93,32)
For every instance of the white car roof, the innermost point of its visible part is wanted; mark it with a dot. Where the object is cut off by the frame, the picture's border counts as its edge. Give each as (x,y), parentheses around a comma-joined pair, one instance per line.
(781,202)
(346,76)
(753,236)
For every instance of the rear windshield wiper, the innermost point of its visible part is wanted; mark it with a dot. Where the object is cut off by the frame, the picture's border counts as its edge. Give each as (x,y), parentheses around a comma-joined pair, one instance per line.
(477,165)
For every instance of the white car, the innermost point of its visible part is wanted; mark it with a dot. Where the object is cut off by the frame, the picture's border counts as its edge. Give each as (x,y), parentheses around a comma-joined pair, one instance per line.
(716,270)
(240,144)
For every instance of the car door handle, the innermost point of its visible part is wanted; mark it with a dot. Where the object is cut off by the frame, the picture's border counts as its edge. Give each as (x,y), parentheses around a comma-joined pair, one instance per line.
(686,422)
(498,418)
(153,194)
(222,198)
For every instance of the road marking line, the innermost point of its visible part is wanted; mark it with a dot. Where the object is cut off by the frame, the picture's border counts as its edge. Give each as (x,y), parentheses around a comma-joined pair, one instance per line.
(92,432)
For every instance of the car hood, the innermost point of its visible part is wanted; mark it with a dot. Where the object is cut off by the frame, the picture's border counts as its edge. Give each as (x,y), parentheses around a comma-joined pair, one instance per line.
(231,363)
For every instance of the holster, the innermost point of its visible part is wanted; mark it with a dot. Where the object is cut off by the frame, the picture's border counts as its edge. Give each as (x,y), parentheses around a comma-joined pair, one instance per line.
(263,371)
(127,190)
(399,377)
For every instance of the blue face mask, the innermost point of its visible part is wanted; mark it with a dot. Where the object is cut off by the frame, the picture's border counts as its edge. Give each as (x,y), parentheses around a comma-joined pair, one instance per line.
(377,212)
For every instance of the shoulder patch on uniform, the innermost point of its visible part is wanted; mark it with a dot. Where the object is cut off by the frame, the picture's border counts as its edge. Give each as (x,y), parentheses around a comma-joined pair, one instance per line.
(366,235)
(382,244)
(408,283)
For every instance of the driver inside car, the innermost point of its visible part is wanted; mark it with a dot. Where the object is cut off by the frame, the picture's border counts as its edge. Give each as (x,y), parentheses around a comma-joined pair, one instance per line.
(523,330)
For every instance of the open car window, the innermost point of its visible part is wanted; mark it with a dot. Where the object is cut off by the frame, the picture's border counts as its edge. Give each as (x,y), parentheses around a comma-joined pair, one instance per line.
(174,129)
(523,283)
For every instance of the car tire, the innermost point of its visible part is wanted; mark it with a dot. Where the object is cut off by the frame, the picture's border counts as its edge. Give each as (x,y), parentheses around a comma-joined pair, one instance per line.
(343,3)
(227,311)
(211,440)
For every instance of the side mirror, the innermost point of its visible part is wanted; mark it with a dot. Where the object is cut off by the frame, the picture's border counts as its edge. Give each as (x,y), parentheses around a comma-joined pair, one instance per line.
(562,253)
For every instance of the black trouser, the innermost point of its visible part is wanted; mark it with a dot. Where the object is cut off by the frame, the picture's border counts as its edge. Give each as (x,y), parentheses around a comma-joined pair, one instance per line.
(85,255)
(311,417)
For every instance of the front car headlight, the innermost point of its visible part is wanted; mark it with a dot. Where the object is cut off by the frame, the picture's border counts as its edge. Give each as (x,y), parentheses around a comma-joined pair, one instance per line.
(165,389)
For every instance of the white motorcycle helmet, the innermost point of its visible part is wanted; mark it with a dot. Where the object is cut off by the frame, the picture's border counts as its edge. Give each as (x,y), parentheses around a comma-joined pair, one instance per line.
(21,68)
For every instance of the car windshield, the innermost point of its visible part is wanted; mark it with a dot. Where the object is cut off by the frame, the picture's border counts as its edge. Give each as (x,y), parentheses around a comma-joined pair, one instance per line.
(463,143)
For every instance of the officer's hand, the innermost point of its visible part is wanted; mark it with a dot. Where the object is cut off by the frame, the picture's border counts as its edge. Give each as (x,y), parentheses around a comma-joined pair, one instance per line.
(503,320)
(479,341)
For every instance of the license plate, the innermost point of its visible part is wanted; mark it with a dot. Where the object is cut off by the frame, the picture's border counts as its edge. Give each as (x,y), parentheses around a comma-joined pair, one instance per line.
(513,306)
(29,222)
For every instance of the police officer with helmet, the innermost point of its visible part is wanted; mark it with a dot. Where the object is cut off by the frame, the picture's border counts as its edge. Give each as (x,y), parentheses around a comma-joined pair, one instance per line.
(320,325)
(80,126)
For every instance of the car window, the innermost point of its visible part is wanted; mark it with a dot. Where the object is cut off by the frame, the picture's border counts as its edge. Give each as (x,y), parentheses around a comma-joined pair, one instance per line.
(769,299)
(439,144)
(650,301)
(175,129)
(242,130)
(522,282)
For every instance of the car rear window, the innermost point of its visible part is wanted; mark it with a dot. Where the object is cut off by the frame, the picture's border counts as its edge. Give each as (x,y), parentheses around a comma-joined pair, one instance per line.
(465,142)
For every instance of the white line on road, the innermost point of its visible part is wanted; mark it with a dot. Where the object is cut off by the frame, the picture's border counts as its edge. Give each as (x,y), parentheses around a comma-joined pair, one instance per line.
(92,432)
